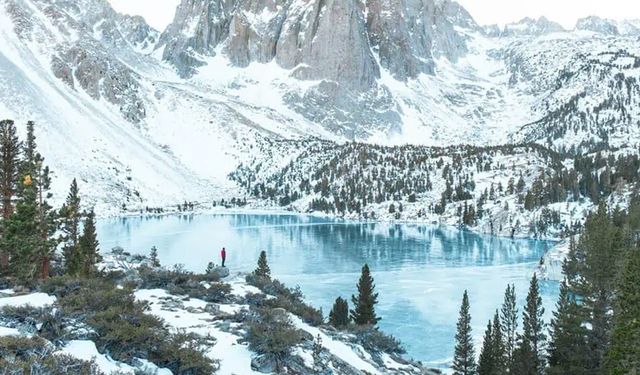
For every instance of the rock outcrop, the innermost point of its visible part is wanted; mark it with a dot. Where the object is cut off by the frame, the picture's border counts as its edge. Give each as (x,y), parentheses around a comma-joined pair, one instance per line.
(198,27)
(598,25)
(331,40)
(400,39)
(87,46)
(531,27)
(341,46)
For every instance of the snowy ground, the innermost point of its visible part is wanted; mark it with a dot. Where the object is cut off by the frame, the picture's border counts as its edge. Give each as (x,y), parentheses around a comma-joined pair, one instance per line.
(234,356)
(210,321)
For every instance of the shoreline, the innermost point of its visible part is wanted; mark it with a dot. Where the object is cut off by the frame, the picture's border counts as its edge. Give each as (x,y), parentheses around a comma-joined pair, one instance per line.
(276,211)
(548,268)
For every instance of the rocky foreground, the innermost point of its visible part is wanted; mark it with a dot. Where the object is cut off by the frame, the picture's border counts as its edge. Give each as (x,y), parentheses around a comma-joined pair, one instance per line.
(230,326)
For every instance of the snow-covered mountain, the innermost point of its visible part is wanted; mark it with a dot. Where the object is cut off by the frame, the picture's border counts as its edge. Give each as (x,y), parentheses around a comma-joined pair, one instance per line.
(148,117)
(529,27)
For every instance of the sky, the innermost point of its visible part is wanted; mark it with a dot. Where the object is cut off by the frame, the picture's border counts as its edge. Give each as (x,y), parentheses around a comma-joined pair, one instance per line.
(565,12)
(159,13)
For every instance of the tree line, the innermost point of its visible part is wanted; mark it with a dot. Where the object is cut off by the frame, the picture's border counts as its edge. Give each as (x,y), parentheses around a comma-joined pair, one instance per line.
(366,180)
(596,325)
(31,230)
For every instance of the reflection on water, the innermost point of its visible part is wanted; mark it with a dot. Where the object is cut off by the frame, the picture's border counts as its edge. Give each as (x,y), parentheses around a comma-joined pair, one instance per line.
(420,271)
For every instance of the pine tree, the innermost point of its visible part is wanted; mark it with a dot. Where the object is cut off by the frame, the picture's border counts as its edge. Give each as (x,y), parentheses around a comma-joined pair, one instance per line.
(487,362)
(591,269)
(339,315)
(70,217)
(88,246)
(9,159)
(29,231)
(568,354)
(529,356)
(47,220)
(36,174)
(602,247)
(153,257)
(499,355)
(464,361)
(263,267)
(20,234)
(509,324)
(623,356)
(363,313)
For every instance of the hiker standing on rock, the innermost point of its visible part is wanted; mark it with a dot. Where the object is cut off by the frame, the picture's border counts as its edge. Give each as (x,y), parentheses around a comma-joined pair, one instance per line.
(223,255)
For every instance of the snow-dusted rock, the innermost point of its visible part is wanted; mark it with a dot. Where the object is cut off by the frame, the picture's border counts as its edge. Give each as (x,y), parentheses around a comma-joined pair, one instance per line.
(234,355)
(598,25)
(265,364)
(531,27)
(319,40)
(553,261)
(198,27)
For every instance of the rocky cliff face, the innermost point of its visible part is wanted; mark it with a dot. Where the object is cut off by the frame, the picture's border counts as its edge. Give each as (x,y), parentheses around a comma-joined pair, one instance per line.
(320,39)
(401,42)
(198,27)
(340,45)
(86,45)
(598,25)
(531,27)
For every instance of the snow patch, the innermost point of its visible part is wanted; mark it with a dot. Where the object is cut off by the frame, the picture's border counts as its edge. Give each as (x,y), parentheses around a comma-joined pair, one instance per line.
(87,351)
(36,300)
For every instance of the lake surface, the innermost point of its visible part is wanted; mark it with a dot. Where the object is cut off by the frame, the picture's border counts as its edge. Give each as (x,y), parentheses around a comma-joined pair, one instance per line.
(420,271)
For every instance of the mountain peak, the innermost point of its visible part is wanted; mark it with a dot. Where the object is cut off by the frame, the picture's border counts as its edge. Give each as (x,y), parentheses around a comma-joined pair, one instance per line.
(405,35)
(598,25)
(531,26)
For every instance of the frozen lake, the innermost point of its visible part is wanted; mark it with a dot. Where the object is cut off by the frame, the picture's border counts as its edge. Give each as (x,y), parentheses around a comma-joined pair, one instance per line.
(420,271)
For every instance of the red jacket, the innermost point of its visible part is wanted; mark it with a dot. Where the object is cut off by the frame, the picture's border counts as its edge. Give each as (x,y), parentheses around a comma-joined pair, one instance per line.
(223,254)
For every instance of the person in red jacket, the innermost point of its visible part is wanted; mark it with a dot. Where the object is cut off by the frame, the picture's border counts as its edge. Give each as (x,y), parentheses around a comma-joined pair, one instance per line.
(223,255)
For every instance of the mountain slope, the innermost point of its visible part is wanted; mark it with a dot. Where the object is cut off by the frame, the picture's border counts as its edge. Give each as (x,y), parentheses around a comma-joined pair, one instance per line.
(110,114)
(151,118)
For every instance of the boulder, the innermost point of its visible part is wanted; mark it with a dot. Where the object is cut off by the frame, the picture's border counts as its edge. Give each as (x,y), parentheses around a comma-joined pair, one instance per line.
(280,315)
(222,272)
(265,364)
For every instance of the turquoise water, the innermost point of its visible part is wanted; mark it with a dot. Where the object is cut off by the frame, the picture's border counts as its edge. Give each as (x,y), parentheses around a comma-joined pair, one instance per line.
(420,271)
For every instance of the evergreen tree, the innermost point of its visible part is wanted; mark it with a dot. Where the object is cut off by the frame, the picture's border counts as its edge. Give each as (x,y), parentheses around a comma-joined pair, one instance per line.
(464,361)
(529,357)
(153,257)
(70,227)
(339,315)
(592,268)
(499,355)
(29,231)
(20,234)
(9,164)
(31,156)
(364,313)
(568,354)
(509,324)
(487,362)
(34,170)
(47,220)
(623,356)
(263,267)
(88,246)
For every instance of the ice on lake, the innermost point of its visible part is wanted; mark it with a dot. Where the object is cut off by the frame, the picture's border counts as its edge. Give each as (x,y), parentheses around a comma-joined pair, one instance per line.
(420,271)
